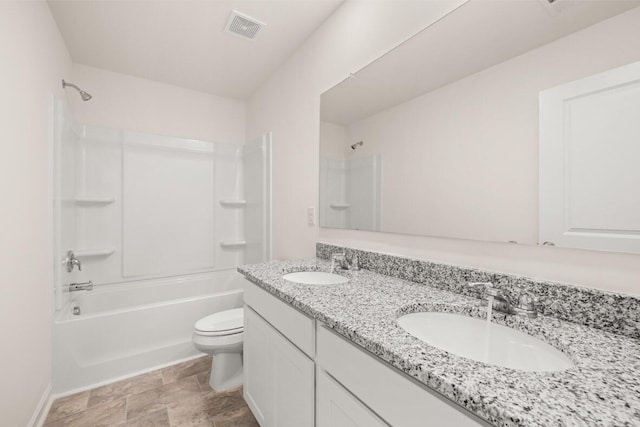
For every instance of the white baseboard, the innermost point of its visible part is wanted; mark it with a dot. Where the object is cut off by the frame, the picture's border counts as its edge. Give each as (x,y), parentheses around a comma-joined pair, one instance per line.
(40,414)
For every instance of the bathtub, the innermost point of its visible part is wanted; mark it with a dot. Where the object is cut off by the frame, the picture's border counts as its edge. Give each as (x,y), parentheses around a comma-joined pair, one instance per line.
(126,329)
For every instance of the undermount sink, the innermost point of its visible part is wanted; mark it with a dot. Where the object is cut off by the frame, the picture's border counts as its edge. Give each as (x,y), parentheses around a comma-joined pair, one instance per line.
(483,341)
(315,278)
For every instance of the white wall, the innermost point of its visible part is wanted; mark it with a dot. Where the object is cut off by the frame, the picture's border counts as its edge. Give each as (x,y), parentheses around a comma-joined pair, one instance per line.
(126,102)
(33,60)
(334,141)
(288,104)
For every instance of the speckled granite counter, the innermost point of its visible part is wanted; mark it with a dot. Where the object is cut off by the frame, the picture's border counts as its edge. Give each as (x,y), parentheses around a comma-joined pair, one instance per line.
(603,389)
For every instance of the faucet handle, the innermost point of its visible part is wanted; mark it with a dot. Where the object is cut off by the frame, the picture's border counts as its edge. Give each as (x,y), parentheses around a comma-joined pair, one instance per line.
(355,263)
(527,305)
(527,301)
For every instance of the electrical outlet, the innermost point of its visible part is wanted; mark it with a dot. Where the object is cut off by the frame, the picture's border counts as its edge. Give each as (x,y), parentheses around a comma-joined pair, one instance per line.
(311,215)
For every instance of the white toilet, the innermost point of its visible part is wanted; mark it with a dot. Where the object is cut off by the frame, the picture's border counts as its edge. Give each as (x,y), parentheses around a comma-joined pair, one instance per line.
(221,334)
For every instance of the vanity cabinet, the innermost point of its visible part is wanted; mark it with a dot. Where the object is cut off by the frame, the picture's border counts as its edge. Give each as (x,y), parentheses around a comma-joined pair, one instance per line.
(299,373)
(278,376)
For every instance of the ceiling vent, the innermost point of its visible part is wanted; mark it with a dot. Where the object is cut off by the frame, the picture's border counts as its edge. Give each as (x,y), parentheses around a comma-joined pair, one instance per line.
(556,7)
(243,26)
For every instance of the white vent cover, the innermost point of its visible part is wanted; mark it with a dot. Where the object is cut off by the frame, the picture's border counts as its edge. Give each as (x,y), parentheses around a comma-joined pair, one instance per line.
(243,26)
(556,7)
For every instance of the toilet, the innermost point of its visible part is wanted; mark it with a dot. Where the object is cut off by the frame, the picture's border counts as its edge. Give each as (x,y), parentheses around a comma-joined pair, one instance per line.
(221,335)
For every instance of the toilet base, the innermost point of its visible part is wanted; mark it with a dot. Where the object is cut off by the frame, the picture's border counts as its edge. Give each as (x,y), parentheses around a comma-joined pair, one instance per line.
(226,371)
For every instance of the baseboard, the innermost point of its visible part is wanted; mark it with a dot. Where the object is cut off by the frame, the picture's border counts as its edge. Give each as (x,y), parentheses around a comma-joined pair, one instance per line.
(40,414)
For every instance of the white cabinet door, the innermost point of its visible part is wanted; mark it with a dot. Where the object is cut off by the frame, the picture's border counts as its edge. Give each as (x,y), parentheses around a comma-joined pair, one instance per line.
(336,407)
(257,363)
(278,377)
(293,385)
(589,151)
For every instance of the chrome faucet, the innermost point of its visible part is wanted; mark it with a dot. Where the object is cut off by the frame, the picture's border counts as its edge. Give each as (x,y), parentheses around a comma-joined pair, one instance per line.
(86,286)
(499,301)
(343,262)
(341,258)
(71,261)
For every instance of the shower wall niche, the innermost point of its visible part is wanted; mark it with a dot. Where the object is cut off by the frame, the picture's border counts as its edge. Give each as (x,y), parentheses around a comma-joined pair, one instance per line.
(135,206)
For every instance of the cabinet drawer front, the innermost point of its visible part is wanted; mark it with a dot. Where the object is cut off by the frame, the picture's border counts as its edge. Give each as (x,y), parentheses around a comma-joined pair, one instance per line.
(336,407)
(399,400)
(296,326)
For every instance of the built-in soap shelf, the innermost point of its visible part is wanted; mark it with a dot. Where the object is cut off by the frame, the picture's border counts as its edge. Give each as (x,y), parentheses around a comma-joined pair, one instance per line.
(94,252)
(232,244)
(339,206)
(93,200)
(233,203)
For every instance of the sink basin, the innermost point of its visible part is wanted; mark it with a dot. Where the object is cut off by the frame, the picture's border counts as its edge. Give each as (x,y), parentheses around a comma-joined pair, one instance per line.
(485,342)
(315,278)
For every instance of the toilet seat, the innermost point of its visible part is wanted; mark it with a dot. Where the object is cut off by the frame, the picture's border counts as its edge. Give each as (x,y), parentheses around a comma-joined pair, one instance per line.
(228,322)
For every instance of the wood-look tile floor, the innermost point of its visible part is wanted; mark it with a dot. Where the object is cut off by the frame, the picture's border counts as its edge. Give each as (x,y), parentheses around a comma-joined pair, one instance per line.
(176,396)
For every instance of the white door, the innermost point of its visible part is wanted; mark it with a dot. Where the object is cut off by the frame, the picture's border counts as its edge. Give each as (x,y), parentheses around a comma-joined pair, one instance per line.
(589,153)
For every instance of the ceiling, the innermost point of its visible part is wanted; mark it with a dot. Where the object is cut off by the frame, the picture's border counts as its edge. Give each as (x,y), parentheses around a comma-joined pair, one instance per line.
(476,36)
(182,42)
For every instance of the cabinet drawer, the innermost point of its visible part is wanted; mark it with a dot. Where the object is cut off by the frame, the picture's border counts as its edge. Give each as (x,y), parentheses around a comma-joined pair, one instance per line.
(293,324)
(396,398)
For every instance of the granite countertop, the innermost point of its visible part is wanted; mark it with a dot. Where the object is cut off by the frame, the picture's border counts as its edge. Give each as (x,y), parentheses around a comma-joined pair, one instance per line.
(603,389)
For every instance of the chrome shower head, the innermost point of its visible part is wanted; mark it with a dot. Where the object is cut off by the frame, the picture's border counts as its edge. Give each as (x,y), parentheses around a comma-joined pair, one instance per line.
(357,144)
(84,95)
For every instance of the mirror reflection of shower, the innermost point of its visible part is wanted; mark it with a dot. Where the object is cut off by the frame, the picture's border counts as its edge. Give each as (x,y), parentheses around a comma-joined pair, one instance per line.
(84,95)
(351,192)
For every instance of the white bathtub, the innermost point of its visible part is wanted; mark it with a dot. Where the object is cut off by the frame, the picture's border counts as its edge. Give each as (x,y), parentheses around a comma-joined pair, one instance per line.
(130,328)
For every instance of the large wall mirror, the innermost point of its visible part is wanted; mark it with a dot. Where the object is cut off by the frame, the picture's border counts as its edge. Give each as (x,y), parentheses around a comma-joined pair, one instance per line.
(443,136)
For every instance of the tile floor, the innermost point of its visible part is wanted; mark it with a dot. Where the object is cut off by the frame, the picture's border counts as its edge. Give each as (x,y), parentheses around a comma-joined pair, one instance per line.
(176,396)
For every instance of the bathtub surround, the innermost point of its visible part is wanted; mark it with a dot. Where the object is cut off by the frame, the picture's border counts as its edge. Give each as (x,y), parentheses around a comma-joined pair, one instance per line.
(175,396)
(160,224)
(601,389)
(609,311)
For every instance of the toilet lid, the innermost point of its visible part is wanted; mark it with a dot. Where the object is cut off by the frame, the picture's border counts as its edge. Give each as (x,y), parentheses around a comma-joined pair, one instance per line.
(230,321)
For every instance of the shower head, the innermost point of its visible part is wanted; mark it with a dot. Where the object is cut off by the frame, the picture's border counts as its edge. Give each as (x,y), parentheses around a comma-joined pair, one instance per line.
(357,144)
(84,95)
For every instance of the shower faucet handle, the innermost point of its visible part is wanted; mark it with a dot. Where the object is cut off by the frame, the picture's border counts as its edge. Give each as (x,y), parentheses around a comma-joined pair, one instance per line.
(71,261)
